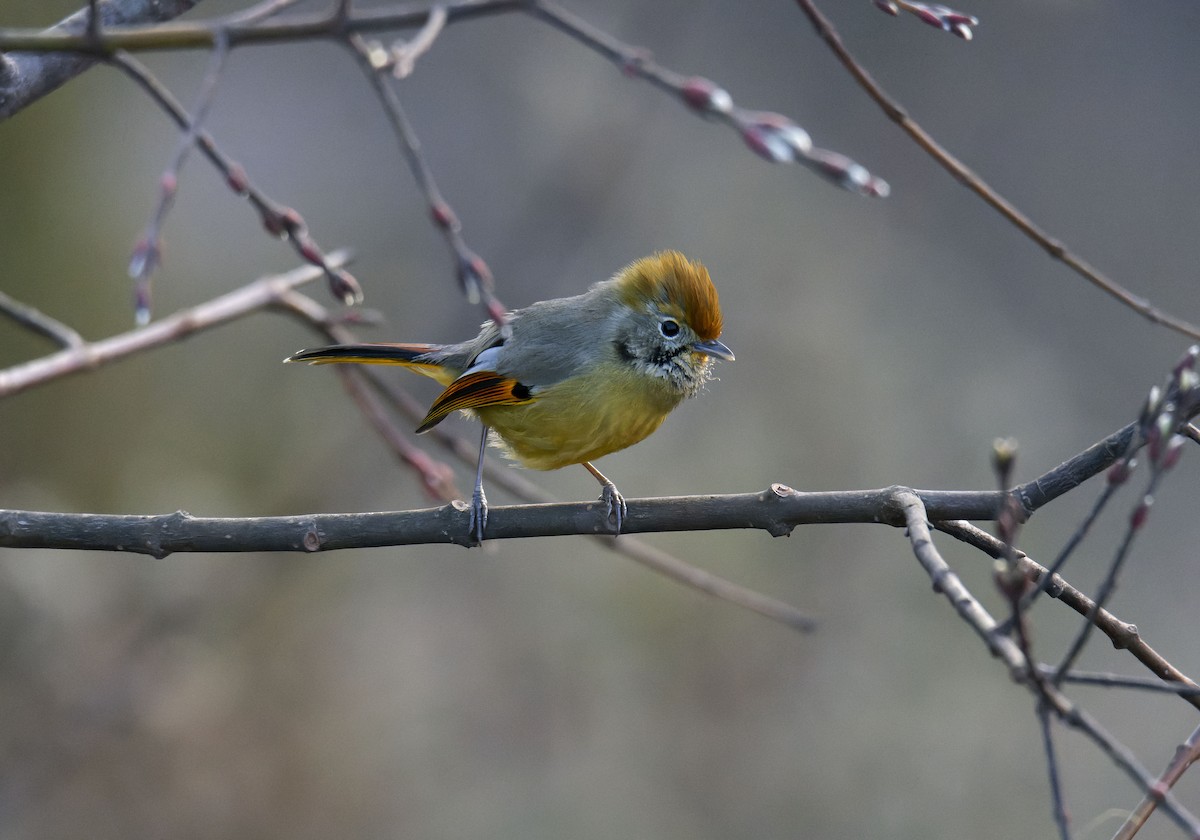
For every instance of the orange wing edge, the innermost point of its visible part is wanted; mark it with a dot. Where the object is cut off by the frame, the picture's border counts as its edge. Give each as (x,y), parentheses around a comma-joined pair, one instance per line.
(475,390)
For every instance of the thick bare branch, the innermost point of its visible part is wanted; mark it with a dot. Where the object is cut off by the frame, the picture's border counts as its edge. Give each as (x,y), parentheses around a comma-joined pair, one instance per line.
(26,77)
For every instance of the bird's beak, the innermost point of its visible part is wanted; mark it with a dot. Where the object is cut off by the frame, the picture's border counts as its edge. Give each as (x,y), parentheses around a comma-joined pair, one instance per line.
(714,348)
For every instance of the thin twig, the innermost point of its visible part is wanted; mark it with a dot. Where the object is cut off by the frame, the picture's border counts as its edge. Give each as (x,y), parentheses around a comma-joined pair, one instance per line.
(1076,538)
(404,54)
(1166,410)
(148,252)
(39,322)
(1107,587)
(474,276)
(771,136)
(1110,680)
(87,356)
(277,219)
(1122,634)
(1059,806)
(946,582)
(1186,754)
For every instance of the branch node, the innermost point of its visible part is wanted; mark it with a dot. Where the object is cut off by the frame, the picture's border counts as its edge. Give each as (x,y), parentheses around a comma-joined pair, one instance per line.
(312,538)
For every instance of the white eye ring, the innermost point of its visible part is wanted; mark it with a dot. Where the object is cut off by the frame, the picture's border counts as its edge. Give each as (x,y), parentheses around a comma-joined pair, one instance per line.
(669,327)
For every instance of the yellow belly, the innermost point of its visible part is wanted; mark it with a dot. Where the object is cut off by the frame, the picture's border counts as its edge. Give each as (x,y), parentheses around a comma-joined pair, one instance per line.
(583,418)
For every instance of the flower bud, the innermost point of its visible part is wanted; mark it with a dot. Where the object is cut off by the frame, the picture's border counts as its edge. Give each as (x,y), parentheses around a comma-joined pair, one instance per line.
(444,215)
(1141,513)
(345,287)
(775,137)
(1119,472)
(1172,453)
(706,97)
(237,179)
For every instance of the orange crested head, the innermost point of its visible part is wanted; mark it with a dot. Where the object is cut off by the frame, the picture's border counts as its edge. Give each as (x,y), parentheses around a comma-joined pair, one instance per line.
(674,284)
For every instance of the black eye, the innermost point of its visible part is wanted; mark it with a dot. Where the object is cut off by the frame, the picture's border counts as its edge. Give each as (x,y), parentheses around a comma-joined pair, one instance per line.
(669,327)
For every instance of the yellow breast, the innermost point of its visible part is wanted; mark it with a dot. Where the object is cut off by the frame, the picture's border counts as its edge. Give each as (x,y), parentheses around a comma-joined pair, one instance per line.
(583,418)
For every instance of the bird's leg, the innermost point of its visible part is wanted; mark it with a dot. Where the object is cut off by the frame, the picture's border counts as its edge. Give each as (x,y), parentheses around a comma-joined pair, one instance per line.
(478,500)
(612,498)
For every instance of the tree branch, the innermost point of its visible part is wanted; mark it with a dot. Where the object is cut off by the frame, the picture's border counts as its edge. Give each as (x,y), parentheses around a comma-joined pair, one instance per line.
(26,77)
(86,356)
(968,607)
(202,34)
(776,510)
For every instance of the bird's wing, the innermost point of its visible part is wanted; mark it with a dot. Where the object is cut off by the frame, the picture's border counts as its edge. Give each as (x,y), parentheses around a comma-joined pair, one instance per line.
(475,389)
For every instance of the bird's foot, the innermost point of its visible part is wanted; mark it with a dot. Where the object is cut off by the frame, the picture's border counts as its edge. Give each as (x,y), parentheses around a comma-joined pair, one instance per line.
(614,505)
(479,512)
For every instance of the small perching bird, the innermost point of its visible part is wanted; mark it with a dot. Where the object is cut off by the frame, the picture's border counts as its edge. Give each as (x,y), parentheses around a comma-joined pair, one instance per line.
(577,377)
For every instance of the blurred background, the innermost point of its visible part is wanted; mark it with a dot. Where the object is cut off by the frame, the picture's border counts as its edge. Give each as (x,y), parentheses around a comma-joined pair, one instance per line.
(550,688)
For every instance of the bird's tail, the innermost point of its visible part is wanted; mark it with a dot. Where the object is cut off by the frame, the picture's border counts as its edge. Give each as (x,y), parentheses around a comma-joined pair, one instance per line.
(416,357)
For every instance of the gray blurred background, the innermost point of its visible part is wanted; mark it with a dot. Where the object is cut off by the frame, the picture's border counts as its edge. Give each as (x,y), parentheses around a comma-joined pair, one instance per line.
(549,688)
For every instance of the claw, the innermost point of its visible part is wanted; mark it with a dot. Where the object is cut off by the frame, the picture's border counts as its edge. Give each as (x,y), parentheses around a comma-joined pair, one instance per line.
(479,511)
(615,506)
(614,502)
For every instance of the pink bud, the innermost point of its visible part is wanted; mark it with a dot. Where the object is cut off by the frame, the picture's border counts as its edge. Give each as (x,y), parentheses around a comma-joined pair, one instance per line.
(1119,472)
(775,137)
(956,18)
(496,312)
(888,6)
(1152,405)
(444,216)
(926,16)
(273,222)
(141,303)
(702,95)
(766,144)
(237,180)
(1141,513)
(841,170)
(309,250)
(474,276)
(144,259)
(1172,453)
(877,188)
(1188,361)
(481,270)
(293,222)
(168,183)
(344,287)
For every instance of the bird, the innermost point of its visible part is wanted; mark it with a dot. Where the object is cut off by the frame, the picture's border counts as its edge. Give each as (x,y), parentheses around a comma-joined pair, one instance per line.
(568,380)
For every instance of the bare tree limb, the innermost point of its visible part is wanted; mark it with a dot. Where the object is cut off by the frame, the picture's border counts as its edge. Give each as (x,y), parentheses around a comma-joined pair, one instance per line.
(776,510)
(292,28)
(26,77)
